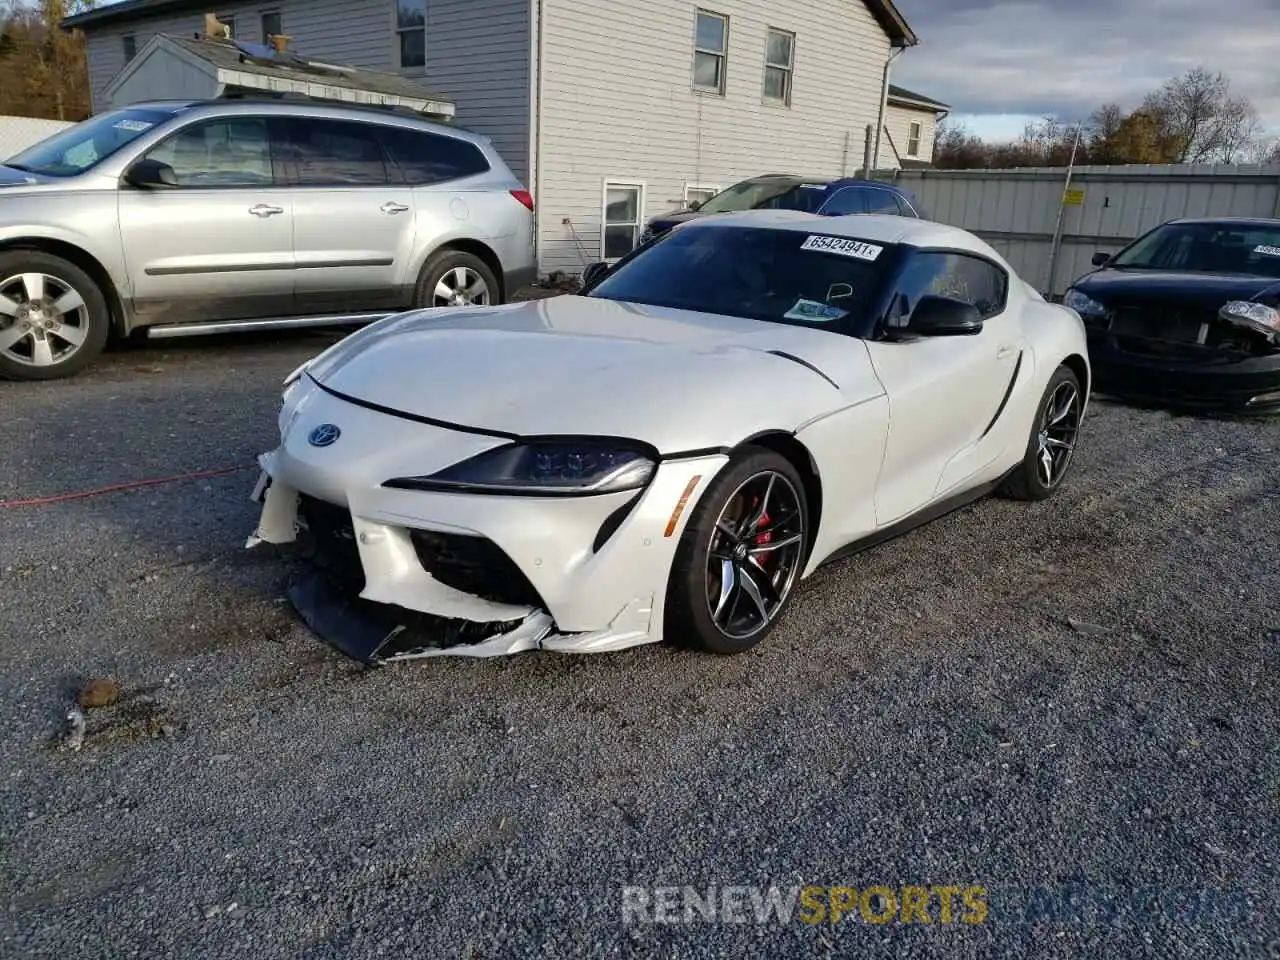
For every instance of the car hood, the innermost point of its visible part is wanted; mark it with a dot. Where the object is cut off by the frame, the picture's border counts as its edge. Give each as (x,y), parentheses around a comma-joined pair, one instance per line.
(1134,287)
(668,220)
(677,379)
(10,177)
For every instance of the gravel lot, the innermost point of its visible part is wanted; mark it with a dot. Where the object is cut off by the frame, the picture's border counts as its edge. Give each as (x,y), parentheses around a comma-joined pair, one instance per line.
(1079,694)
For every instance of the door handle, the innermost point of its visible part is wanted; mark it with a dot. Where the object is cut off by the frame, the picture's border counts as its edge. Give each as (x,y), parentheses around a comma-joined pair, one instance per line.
(392,207)
(265,210)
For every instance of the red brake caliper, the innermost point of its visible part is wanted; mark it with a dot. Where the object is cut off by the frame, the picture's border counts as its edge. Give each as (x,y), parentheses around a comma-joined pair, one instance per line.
(763,536)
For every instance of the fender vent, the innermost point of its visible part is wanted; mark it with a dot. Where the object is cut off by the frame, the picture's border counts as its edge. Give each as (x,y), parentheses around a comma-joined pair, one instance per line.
(804,363)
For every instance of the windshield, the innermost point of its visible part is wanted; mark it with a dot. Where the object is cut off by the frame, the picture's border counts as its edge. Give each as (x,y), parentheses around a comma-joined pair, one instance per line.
(766,194)
(779,276)
(1207,248)
(88,143)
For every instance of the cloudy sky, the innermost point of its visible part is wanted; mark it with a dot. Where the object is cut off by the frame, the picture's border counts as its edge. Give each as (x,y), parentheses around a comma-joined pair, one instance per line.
(1001,62)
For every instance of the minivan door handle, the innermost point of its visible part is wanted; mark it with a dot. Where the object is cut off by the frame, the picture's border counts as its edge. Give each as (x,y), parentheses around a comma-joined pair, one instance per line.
(392,207)
(265,210)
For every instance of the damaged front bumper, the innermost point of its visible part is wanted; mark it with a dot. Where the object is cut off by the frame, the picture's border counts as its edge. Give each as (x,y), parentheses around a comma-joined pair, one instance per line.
(401,574)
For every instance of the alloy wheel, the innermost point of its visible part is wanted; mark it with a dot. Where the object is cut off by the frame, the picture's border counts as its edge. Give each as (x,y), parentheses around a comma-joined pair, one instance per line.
(1057,438)
(43,320)
(755,554)
(460,287)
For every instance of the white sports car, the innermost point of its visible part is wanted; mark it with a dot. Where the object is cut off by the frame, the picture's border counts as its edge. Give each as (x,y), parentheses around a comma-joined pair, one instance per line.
(667,454)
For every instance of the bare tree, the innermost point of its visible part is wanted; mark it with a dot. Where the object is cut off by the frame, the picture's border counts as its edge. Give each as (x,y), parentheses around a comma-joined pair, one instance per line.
(1199,120)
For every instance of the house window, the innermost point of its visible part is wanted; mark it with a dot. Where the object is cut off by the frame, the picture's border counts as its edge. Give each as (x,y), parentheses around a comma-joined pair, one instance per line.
(230,24)
(623,203)
(710,50)
(271,26)
(130,44)
(698,193)
(913,139)
(778,60)
(411,32)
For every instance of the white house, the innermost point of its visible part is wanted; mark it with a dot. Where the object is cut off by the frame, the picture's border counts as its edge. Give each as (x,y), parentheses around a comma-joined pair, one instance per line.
(611,112)
(910,127)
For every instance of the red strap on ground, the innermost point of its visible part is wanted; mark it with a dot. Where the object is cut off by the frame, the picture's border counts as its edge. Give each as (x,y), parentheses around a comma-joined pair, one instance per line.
(117,487)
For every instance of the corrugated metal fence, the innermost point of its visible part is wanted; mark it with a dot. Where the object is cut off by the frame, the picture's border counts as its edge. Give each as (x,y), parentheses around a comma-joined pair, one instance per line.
(1016,211)
(18,133)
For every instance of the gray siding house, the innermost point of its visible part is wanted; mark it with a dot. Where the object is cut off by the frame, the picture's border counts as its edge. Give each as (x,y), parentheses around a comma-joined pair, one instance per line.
(610,112)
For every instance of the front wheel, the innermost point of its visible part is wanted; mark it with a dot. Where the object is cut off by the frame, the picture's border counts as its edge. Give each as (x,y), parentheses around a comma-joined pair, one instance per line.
(1052,442)
(53,318)
(740,555)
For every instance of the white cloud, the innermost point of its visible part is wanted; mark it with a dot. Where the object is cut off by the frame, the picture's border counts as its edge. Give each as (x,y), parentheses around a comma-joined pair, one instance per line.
(1050,57)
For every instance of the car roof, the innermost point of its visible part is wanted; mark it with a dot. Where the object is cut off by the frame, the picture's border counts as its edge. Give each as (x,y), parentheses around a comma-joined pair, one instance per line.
(863,182)
(233,106)
(1231,221)
(873,227)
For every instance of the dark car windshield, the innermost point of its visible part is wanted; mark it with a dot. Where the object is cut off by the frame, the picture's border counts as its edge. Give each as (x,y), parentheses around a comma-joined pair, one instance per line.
(1252,249)
(779,276)
(85,145)
(766,194)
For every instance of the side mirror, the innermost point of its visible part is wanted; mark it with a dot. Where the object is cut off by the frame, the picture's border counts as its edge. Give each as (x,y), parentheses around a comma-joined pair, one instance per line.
(594,274)
(151,174)
(1100,258)
(694,206)
(944,317)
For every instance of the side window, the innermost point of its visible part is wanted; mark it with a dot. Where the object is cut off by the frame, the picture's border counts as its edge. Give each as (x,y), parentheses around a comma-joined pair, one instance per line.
(846,201)
(337,153)
(425,158)
(231,152)
(958,275)
(883,201)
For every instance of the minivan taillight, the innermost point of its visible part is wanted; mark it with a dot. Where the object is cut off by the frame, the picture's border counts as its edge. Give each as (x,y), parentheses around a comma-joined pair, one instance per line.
(524,196)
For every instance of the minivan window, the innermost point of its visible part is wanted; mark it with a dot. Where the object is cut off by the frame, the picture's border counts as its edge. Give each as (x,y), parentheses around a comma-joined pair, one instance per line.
(228,152)
(761,194)
(334,153)
(425,158)
(85,145)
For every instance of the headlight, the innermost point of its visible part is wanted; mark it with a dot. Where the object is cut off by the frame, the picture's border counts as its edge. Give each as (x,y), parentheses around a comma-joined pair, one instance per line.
(1251,315)
(546,468)
(1083,304)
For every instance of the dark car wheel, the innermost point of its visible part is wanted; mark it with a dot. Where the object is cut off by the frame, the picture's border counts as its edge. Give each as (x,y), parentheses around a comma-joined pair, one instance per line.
(454,278)
(1052,442)
(740,556)
(53,318)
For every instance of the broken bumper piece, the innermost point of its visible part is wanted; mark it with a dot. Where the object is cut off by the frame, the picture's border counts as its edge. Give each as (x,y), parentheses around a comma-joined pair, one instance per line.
(377,633)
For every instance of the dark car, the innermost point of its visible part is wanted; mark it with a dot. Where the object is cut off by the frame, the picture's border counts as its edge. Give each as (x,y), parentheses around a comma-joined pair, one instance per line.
(1187,316)
(779,191)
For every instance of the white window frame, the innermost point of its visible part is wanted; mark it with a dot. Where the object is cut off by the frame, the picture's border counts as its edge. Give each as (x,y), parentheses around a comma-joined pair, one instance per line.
(710,188)
(262,23)
(398,31)
(640,187)
(915,134)
(723,54)
(788,70)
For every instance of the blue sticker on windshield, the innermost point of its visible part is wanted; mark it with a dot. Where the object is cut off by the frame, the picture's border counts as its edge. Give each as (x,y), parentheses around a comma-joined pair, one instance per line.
(814,311)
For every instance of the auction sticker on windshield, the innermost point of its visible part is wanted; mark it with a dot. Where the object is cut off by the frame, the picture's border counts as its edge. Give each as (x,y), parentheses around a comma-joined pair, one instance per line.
(843,246)
(1267,249)
(815,311)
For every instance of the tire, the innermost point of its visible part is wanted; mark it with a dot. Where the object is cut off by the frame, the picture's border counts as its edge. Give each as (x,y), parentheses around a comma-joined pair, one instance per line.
(61,342)
(694,591)
(1030,480)
(448,267)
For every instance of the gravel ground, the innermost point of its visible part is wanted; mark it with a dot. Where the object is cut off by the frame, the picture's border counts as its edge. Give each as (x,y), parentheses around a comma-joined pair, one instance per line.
(1078,695)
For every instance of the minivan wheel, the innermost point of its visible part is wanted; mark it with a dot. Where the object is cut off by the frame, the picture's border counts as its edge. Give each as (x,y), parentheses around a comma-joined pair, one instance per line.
(53,318)
(454,278)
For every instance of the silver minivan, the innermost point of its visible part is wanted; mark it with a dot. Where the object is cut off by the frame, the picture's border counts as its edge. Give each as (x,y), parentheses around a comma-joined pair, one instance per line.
(183,218)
